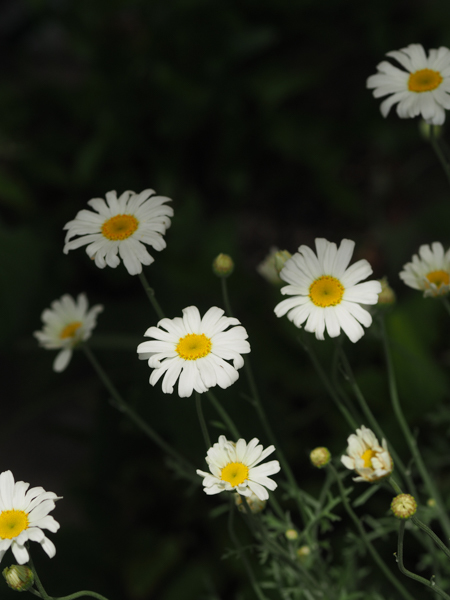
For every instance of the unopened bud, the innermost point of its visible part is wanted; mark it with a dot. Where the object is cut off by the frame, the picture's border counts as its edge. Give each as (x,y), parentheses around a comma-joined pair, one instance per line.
(223,265)
(19,577)
(320,457)
(254,503)
(404,506)
(303,552)
(387,295)
(426,130)
(291,534)
(280,258)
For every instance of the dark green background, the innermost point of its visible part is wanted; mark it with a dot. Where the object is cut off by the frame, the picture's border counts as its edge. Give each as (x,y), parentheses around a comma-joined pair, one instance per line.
(254,118)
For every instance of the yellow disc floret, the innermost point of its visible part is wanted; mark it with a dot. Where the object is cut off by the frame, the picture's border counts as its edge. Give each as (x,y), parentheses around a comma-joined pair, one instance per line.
(120,227)
(439,278)
(367,458)
(193,346)
(12,522)
(326,291)
(235,473)
(70,330)
(424,80)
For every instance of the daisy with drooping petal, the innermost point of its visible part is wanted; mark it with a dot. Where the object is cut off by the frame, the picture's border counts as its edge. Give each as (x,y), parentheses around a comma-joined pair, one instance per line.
(120,227)
(365,456)
(234,468)
(422,87)
(430,271)
(23,516)
(66,324)
(325,290)
(196,350)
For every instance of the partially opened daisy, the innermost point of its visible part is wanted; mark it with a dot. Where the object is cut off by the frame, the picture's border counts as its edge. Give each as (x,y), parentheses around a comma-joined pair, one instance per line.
(23,516)
(67,324)
(195,350)
(421,87)
(430,271)
(234,468)
(365,456)
(120,227)
(326,293)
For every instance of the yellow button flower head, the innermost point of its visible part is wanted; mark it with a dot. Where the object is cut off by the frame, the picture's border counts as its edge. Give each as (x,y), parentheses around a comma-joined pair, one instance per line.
(234,468)
(421,87)
(23,516)
(120,227)
(326,292)
(195,350)
(66,324)
(365,456)
(430,271)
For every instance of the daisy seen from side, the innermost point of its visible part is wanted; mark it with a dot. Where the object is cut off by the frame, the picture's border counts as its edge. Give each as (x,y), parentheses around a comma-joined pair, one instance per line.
(235,467)
(366,456)
(23,516)
(429,271)
(421,87)
(67,323)
(120,228)
(195,350)
(326,293)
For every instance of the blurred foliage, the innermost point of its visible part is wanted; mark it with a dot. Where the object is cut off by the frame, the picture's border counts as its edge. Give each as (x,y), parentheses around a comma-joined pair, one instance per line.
(254,118)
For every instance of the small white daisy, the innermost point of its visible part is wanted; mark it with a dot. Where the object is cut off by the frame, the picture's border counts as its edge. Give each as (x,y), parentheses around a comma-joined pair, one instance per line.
(196,350)
(422,87)
(430,272)
(23,516)
(326,294)
(365,456)
(233,468)
(66,324)
(121,226)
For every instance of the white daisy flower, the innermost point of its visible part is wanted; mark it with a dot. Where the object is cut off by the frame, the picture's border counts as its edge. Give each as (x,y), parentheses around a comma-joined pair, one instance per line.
(121,226)
(326,294)
(196,350)
(233,468)
(430,271)
(422,87)
(365,456)
(23,516)
(67,324)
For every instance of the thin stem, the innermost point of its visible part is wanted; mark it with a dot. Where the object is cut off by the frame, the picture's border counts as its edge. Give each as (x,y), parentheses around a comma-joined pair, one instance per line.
(201,418)
(225,416)
(241,552)
(225,296)
(437,590)
(411,441)
(82,594)
(377,558)
(37,581)
(151,295)
(137,420)
(328,385)
(438,151)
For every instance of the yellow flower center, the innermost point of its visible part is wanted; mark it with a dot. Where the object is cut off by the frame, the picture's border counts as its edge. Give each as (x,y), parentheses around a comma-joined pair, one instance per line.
(367,458)
(193,346)
(12,522)
(424,80)
(326,291)
(235,473)
(120,227)
(439,278)
(70,330)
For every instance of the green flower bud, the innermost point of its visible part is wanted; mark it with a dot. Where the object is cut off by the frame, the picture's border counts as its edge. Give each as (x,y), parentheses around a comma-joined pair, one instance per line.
(404,506)
(223,265)
(254,503)
(280,258)
(303,553)
(291,534)
(387,295)
(19,577)
(320,457)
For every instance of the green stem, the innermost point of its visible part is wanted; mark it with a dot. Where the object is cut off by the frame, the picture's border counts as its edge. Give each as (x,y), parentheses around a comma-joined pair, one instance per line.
(404,570)
(438,151)
(328,385)
(225,296)
(133,416)
(151,295)
(81,594)
(241,552)
(37,582)
(201,418)
(225,417)
(411,441)
(377,558)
